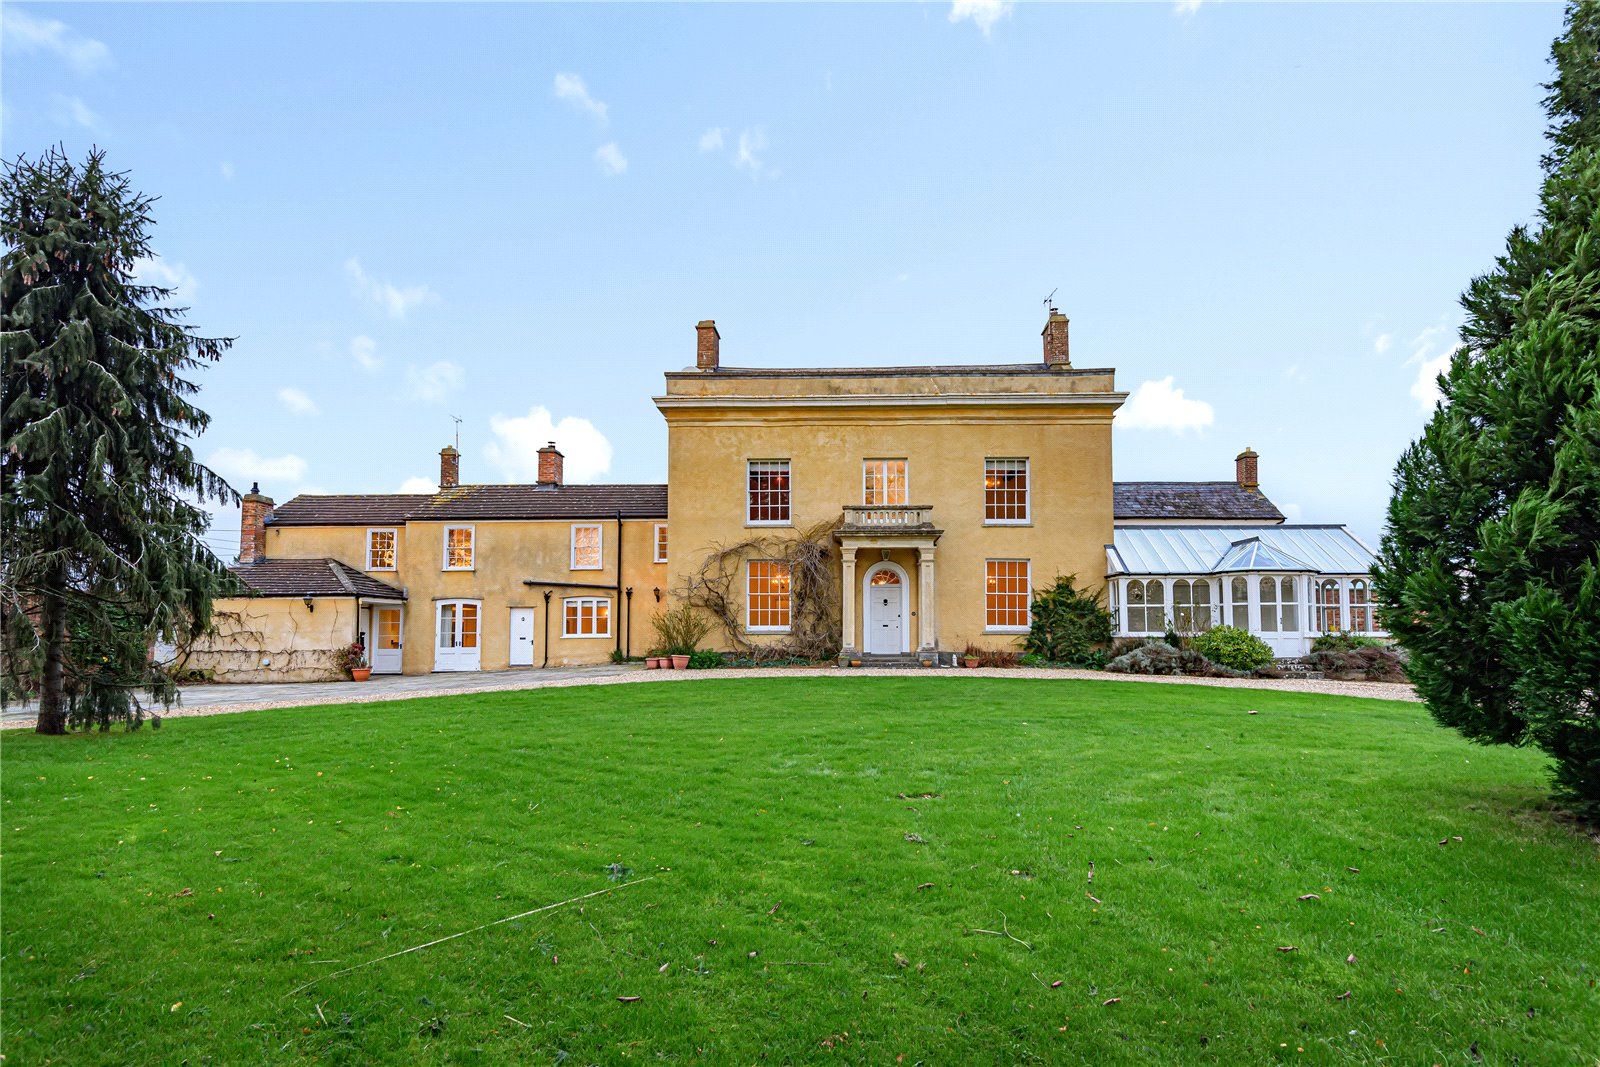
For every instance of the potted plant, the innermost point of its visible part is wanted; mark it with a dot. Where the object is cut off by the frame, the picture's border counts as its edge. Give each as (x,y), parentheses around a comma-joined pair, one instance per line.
(353,658)
(971,656)
(680,631)
(651,661)
(680,661)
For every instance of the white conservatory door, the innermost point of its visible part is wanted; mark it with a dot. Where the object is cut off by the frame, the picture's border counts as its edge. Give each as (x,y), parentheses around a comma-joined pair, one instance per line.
(456,636)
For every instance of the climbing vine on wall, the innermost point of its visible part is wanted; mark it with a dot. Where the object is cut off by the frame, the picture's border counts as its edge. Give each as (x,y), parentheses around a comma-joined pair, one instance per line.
(718,589)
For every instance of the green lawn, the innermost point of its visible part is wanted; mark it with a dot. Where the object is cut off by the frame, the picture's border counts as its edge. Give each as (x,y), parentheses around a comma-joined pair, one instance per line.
(165,891)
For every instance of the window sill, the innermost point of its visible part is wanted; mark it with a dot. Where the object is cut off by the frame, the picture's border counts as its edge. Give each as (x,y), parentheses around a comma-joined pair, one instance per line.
(766,629)
(1008,522)
(458,570)
(381,570)
(584,637)
(1006,629)
(575,569)
(784,523)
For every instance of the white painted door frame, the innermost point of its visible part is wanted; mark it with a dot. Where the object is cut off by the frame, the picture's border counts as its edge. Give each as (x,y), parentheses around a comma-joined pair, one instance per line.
(867,600)
(521,630)
(384,660)
(456,656)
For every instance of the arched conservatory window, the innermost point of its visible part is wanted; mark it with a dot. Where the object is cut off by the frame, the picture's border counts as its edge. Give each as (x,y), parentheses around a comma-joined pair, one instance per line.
(1191,605)
(1288,606)
(1360,608)
(1328,605)
(1147,611)
(1269,605)
(1239,594)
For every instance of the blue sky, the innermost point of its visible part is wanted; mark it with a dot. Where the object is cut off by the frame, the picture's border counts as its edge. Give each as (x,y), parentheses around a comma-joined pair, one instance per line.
(1261,216)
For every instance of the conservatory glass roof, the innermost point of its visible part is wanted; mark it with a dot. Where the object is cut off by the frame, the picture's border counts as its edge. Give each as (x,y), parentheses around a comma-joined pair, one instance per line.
(1160,549)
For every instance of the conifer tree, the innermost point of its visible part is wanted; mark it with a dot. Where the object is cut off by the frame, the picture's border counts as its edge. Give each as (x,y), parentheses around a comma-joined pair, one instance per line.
(1490,565)
(100,517)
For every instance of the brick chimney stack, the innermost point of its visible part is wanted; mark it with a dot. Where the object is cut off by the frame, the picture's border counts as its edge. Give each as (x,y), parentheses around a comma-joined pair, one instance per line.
(550,467)
(449,467)
(1244,469)
(1056,351)
(254,511)
(708,345)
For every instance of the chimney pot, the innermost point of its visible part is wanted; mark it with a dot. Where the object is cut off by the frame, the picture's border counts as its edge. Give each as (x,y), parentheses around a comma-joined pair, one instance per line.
(254,511)
(1244,469)
(708,345)
(550,466)
(1056,350)
(449,467)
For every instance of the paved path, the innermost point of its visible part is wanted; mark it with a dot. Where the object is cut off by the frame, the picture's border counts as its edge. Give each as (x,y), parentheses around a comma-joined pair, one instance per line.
(224,699)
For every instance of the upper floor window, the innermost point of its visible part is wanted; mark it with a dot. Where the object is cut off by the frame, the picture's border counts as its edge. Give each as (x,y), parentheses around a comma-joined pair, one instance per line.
(767,595)
(883,481)
(768,494)
(586,616)
(458,548)
(661,542)
(1005,491)
(585,547)
(1008,595)
(380,550)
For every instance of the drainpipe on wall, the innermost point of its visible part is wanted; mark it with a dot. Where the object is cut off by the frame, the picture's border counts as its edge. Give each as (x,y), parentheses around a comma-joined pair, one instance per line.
(628,652)
(619,576)
(546,662)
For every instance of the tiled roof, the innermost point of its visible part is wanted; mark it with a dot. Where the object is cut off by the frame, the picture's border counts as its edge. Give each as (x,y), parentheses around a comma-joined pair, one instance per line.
(1191,500)
(551,502)
(311,577)
(1159,549)
(355,509)
(477,502)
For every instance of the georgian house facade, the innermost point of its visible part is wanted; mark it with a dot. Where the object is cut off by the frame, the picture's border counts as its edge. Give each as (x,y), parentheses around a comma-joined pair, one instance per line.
(946,495)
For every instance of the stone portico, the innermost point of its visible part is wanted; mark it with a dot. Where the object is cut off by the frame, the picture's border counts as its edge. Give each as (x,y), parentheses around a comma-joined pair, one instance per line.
(873,542)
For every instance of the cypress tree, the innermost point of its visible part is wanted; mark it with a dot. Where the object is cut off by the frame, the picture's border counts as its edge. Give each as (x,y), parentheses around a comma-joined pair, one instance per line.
(1490,565)
(101,517)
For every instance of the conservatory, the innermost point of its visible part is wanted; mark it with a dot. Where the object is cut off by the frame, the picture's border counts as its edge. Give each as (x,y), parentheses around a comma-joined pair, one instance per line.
(1285,584)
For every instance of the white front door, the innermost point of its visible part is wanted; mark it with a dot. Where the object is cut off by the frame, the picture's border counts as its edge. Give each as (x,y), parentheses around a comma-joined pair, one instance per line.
(456,636)
(521,637)
(885,596)
(388,626)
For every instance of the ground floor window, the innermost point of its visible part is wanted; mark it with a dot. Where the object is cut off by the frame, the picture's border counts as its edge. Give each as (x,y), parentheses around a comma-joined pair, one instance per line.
(1360,608)
(1328,599)
(458,624)
(586,616)
(767,596)
(1239,599)
(1191,605)
(1007,593)
(1147,611)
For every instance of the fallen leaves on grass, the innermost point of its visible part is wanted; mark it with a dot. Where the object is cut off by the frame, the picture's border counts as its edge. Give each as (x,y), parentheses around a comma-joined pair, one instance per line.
(918,796)
(629,999)
(1309,896)
(916,839)
(1288,948)
(1118,1000)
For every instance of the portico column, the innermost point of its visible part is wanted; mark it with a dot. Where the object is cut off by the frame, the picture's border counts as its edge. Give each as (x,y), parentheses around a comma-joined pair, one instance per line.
(928,600)
(848,599)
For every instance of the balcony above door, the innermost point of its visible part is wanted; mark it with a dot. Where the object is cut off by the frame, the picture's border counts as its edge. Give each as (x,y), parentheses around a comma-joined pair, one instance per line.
(879,521)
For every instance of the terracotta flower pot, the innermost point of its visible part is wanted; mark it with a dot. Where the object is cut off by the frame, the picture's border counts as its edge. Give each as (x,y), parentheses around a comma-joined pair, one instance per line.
(651,663)
(680,662)
(969,661)
(855,663)
(360,674)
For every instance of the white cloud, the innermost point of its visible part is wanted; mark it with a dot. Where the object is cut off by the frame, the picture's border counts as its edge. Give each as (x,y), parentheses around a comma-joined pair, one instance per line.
(711,140)
(364,350)
(610,158)
(1158,405)
(74,110)
(27,34)
(1431,351)
(433,383)
(419,485)
(1382,343)
(296,402)
(570,87)
(1295,373)
(393,299)
(226,169)
(983,13)
(515,449)
(1292,512)
(751,141)
(153,270)
(1185,8)
(241,466)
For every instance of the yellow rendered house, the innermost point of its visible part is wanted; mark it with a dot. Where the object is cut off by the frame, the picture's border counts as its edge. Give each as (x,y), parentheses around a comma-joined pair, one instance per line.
(875,513)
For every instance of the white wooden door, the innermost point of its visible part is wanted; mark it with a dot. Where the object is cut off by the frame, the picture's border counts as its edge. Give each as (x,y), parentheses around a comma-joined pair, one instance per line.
(388,632)
(456,636)
(521,637)
(885,613)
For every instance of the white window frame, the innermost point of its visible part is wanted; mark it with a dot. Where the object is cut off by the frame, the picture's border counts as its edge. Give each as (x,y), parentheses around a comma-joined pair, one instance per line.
(600,545)
(581,601)
(1027,577)
(788,468)
(394,548)
(658,548)
(905,481)
(749,600)
(1027,493)
(472,533)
